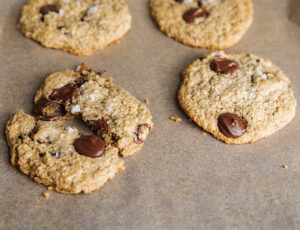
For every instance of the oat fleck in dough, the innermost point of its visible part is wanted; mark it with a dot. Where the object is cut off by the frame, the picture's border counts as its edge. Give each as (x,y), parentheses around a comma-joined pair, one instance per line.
(76,26)
(112,112)
(239,98)
(44,151)
(213,24)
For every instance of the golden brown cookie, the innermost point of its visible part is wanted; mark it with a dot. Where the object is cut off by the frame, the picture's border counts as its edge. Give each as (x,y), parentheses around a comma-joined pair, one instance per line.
(212,24)
(76,26)
(116,116)
(60,157)
(239,98)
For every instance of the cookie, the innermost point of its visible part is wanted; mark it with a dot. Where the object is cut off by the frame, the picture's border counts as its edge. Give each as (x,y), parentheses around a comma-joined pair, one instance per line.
(112,112)
(212,24)
(239,98)
(76,26)
(60,157)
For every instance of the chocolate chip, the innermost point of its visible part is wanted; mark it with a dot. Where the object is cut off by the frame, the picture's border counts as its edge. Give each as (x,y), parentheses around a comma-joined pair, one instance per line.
(67,34)
(99,124)
(56,154)
(224,66)
(180,1)
(42,154)
(64,94)
(83,17)
(114,137)
(101,73)
(200,3)
(91,146)
(41,104)
(49,118)
(231,125)
(79,81)
(33,132)
(193,13)
(138,139)
(20,137)
(48,8)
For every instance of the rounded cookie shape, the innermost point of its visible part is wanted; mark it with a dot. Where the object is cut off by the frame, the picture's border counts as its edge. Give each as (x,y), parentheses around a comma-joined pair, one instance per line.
(79,27)
(239,98)
(112,112)
(212,24)
(44,150)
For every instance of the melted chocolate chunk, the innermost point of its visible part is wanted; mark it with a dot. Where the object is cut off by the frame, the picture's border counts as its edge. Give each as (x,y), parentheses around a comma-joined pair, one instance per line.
(99,124)
(49,118)
(41,104)
(193,13)
(231,125)
(79,82)
(91,146)
(224,66)
(46,9)
(64,94)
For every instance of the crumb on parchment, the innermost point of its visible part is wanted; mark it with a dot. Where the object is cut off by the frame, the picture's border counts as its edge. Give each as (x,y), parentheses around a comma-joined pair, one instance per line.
(146,101)
(46,195)
(284,166)
(176,119)
(109,79)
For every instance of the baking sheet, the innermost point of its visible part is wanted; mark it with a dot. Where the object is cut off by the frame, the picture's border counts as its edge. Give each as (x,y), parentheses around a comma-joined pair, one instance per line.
(182,178)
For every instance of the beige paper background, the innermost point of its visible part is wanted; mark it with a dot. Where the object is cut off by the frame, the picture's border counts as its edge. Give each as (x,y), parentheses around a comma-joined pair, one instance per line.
(181,179)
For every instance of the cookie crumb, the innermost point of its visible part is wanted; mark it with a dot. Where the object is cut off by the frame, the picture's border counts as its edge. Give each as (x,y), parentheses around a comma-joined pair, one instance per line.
(146,101)
(176,119)
(284,166)
(46,195)
(109,80)
(204,133)
(50,188)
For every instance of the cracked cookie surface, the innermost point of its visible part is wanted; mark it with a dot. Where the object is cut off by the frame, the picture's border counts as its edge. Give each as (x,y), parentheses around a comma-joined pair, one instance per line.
(239,98)
(76,26)
(116,116)
(44,150)
(212,24)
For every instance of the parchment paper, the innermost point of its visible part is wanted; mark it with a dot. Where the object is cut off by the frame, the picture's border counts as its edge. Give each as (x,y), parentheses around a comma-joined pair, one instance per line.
(182,179)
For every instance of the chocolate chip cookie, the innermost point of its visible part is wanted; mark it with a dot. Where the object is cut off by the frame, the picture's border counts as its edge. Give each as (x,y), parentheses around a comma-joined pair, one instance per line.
(76,26)
(112,112)
(239,98)
(213,24)
(58,156)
